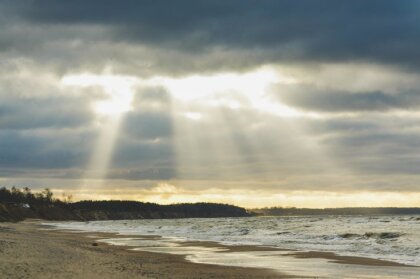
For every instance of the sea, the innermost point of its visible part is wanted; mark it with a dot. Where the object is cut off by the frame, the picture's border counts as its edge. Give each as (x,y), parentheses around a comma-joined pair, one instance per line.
(393,238)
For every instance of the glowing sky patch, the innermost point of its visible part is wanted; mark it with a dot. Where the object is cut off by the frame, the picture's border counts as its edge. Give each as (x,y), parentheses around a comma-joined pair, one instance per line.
(232,98)
(119,91)
(232,90)
(118,101)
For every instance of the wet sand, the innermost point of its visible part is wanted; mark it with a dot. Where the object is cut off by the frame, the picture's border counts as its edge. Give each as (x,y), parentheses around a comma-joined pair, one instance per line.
(29,250)
(297,254)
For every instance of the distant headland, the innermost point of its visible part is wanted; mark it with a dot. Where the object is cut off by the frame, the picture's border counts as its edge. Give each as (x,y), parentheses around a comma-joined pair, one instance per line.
(19,204)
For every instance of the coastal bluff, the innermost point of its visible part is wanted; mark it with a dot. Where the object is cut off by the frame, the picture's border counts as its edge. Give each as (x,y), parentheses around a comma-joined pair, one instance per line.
(116,210)
(17,205)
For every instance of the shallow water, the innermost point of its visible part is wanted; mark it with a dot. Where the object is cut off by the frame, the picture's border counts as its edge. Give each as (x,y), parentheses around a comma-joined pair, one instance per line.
(394,238)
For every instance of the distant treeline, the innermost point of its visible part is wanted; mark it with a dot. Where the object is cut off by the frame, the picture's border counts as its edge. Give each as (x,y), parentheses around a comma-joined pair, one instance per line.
(292,211)
(18,204)
(153,210)
(25,195)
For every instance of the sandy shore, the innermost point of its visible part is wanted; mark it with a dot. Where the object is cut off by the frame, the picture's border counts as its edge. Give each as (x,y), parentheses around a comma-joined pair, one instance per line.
(29,250)
(26,252)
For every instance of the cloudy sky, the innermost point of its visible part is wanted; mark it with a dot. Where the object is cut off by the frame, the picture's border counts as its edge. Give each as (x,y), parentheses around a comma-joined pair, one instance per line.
(256,103)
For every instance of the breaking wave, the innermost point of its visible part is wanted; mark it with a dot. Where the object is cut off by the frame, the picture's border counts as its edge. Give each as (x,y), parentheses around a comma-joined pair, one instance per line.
(380,235)
(392,238)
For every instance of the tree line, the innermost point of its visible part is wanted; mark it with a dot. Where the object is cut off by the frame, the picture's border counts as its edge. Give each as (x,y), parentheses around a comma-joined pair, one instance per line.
(293,211)
(26,204)
(25,195)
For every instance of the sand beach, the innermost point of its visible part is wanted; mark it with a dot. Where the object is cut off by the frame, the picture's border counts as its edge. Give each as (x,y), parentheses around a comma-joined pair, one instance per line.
(27,252)
(29,249)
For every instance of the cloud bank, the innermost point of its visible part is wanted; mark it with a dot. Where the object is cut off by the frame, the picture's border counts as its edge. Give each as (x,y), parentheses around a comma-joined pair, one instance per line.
(342,115)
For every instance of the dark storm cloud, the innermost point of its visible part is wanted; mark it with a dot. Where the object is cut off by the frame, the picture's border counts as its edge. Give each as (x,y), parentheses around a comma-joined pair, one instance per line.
(32,113)
(369,143)
(378,152)
(151,117)
(148,125)
(152,99)
(33,150)
(381,31)
(327,100)
(31,101)
(138,157)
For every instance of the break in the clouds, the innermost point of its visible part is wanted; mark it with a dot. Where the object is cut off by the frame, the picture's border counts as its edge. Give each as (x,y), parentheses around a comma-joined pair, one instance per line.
(211,100)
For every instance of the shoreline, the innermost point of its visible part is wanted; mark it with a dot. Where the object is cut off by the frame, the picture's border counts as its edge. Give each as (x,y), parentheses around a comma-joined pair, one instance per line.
(19,241)
(27,252)
(327,255)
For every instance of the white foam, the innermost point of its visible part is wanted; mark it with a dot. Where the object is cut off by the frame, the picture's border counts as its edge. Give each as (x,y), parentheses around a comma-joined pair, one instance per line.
(298,233)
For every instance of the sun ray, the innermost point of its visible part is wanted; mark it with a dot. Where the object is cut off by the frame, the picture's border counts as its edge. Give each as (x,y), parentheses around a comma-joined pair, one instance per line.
(224,103)
(208,113)
(119,91)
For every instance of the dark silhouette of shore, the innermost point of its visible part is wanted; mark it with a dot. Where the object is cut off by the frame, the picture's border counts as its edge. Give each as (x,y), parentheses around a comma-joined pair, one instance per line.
(17,205)
(292,211)
(20,204)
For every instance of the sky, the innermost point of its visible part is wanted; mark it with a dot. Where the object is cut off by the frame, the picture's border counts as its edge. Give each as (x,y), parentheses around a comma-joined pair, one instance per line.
(253,103)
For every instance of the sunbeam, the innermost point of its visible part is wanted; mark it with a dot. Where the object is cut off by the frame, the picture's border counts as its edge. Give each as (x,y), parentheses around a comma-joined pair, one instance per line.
(232,90)
(109,116)
(236,106)
(118,89)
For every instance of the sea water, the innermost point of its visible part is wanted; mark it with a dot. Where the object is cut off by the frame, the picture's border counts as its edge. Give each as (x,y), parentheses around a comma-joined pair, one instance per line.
(393,238)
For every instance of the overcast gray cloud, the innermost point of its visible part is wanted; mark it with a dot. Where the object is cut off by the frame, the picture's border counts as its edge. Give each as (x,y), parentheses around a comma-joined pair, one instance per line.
(348,77)
(31,113)
(187,36)
(325,100)
(27,150)
(381,31)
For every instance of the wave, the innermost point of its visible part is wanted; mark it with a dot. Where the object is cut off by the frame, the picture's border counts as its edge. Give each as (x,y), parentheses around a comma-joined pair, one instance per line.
(383,235)
(395,240)
(376,235)
(350,235)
